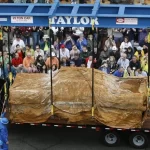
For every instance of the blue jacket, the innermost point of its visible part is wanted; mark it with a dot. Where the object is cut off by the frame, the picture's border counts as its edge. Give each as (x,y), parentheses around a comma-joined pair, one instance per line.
(68,44)
(3,134)
(118,74)
(80,45)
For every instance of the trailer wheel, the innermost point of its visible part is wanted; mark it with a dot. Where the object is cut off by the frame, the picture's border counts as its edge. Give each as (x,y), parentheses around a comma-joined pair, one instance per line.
(138,140)
(111,138)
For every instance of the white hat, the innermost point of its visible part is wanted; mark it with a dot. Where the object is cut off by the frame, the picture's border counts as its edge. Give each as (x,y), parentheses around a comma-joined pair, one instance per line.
(53,54)
(139,48)
(45,37)
(114,48)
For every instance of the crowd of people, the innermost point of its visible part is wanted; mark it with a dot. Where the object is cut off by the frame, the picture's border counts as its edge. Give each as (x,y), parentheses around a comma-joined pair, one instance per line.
(120,52)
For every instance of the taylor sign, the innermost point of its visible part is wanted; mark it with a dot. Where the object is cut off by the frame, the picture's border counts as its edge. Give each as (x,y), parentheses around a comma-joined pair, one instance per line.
(73,20)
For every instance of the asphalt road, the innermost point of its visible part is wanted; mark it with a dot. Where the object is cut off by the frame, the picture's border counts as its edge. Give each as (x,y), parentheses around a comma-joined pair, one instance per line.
(48,138)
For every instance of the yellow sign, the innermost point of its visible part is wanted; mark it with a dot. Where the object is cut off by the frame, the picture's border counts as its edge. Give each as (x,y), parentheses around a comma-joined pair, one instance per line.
(93,23)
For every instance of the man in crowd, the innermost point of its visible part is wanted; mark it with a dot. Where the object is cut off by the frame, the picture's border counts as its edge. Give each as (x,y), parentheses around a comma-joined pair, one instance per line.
(38,52)
(64,55)
(119,72)
(81,42)
(17,63)
(77,60)
(123,61)
(84,54)
(134,63)
(28,49)
(28,64)
(15,42)
(54,61)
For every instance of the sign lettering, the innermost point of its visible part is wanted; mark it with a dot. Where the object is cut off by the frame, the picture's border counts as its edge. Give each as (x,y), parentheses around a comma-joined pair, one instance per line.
(73,20)
(21,19)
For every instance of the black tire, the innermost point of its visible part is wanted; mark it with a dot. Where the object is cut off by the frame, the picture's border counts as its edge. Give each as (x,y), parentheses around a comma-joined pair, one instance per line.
(111,138)
(138,140)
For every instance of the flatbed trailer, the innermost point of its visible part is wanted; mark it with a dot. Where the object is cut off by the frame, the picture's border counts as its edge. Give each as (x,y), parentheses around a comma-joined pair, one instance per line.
(138,137)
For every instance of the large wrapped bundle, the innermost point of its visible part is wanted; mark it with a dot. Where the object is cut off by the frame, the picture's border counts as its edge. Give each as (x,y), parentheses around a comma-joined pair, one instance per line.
(117,102)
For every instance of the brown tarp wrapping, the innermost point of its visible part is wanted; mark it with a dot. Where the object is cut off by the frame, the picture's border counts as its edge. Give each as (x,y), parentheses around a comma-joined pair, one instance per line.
(118,102)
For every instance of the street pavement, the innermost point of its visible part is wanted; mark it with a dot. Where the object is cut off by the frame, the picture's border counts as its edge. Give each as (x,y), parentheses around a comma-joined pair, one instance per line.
(49,138)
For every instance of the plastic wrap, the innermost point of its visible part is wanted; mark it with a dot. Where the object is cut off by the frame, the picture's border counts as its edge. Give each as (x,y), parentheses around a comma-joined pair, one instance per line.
(114,101)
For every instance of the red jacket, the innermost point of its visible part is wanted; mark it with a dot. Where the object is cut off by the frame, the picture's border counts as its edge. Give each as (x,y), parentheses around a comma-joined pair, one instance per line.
(16,62)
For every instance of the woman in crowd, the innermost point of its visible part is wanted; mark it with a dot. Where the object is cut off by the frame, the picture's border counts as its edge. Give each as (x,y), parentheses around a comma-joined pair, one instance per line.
(125,44)
(40,64)
(129,53)
(104,67)
(110,42)
(74,52)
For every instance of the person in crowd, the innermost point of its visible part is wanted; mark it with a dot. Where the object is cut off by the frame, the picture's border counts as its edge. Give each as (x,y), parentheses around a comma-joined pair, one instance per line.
(144,42)
(130,33)
(90,43)
(95,55)
(141,36)
(81,42)
(77,32)
(28,49)
(6,58)
(57,44)
(140,73)
(18,41)
(40,64)
(118,35)
(144,63)
(84,54)
(74,52)
(129,53)
(134,63)
(77,60)
(35,36)
(89,62)
(128,72)
(68,42)
(28,64)
(115,53)
(112,64)
(125,44)
(41,34)
(45,44)
(38,52)
(6,70)
(26,33)
(19,51)
(110,42)
(55,61)
(17,63)
(104,67)
(139,53)
(64,55)
(119,72)
(123,61)
(104,55)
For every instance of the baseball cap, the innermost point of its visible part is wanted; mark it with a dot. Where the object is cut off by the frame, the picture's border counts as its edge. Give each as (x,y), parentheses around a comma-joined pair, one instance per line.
(62,46)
